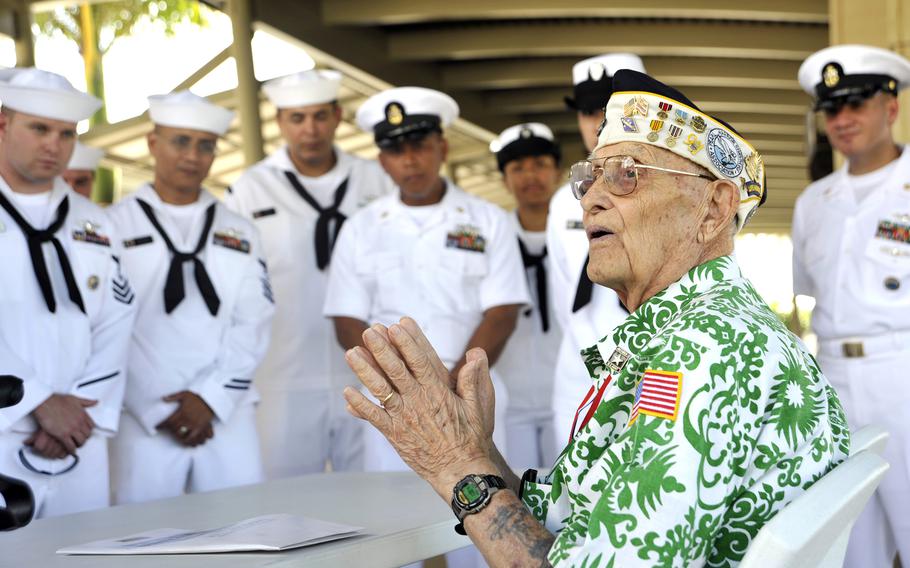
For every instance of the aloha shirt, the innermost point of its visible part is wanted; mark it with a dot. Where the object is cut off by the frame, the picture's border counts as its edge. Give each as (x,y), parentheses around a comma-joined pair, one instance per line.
(755,423)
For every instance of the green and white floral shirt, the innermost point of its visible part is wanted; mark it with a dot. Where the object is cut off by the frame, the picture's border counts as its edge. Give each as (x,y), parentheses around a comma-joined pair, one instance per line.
(730,420)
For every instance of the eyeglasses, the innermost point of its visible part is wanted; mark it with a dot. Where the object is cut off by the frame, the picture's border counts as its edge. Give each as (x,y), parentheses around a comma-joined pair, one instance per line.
(185,143)
(620,173)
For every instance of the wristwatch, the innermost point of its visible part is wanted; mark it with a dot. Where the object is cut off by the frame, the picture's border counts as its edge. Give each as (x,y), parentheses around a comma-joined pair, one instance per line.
(472,494)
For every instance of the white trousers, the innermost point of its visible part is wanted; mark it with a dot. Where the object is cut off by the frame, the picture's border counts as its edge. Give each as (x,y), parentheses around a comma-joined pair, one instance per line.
(530,439)
(147,467)
(874,390)
(302,431)
(83,488)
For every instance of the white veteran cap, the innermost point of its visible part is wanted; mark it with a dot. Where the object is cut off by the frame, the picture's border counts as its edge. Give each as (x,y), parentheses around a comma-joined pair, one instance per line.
(521,140)
(45,94)
(593,79)
(183,109)
(85,157)
(644,110)
(406,113)
(842,72)
(312,87)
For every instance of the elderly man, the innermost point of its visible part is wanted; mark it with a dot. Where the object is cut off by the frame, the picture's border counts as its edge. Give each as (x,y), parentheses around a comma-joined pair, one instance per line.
(582,310)
(205,310)
(66,309)
(705,416)
(80,172)
(298,198)
(851,252)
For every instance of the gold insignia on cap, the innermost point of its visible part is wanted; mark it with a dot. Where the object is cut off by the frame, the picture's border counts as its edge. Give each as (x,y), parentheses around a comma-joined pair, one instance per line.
(93,282)
(892,85)
(831,75)
(394,114)
(755,166)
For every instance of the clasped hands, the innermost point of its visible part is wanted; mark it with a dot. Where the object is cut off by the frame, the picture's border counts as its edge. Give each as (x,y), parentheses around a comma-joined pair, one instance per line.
(443,431)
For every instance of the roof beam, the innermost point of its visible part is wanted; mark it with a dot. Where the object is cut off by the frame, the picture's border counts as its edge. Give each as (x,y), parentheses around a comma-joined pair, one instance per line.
(392,12)
(580,38)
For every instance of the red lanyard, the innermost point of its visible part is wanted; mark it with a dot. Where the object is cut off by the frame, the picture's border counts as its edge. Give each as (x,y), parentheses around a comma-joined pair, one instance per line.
(591,402)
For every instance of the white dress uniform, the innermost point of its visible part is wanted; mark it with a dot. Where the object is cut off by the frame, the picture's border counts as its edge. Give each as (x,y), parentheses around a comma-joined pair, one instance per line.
(68,351)
(304,371)
(567,248)
(444,271)
(851,252)
(67,311)
(190,348)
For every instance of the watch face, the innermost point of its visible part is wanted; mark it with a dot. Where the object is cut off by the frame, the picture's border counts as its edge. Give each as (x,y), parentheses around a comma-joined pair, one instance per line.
(468,493)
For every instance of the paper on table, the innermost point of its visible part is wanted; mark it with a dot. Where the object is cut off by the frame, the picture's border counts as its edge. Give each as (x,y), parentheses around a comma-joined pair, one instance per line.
(265,533)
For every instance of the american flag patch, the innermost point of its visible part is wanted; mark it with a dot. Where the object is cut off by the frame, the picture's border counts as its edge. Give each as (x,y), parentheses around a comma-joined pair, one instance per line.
(658,395)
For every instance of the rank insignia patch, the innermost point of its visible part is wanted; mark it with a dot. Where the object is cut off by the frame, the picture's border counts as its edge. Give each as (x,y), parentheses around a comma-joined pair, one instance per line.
(657,395)
(230,240)
(893,231)
(466,237)
(628,124)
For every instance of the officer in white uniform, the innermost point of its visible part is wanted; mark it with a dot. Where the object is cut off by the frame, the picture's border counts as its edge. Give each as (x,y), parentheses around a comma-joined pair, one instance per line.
(851,251)
(66,309)
(298,198)
(528,158)
(80,172)
(431,251)
(584,311)
(205,310)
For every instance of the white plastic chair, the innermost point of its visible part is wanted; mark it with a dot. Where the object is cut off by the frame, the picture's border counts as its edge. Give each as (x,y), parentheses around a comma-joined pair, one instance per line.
(812,531)
(872,438)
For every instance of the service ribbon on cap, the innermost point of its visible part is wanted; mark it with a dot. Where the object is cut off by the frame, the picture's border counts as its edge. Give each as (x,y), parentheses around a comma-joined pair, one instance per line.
(643,117)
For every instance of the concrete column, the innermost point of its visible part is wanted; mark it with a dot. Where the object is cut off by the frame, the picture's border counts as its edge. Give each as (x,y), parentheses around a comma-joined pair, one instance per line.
(247,87)
(25,42)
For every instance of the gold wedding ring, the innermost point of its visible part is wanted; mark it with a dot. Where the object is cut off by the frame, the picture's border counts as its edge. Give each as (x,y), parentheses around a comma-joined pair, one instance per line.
(386,398)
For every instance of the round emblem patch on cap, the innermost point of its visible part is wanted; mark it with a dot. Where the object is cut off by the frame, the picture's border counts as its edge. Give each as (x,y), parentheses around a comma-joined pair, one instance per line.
(526,132)
(831,75)
(892,283)
(394,114)
(724,152)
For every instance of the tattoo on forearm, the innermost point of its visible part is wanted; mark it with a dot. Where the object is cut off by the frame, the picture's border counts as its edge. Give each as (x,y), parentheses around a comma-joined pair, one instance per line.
(512,521)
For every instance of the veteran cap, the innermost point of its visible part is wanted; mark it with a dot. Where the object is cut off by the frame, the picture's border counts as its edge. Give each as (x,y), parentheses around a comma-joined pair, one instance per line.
(841,72)
(85,157)
(45,94)
(522,140)
(644,110)
(406,113)
(183,109)
(592,79)
(312,87)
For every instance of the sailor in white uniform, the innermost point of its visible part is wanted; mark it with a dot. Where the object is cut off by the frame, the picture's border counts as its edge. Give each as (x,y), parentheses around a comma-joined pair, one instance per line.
(298,198)
(584,311)
(80,172)
(851,252)
(528,157)
(66,308)
(205,310)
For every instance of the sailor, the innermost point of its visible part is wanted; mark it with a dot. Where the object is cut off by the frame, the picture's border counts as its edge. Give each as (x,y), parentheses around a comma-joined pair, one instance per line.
(80,172)
(205,310)
(67,308)
(298,198)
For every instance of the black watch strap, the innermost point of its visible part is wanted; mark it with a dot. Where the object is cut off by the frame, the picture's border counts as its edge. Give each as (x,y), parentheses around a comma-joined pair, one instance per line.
(493,484)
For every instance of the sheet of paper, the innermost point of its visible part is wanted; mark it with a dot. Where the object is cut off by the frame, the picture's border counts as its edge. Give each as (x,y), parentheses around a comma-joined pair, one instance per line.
(265,533)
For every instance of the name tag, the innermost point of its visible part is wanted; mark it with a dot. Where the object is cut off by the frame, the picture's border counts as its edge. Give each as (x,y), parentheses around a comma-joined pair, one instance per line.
(574,224)
(137,241)
(466,237)
(91,237)
(893,231)
(264,213)
(232,242)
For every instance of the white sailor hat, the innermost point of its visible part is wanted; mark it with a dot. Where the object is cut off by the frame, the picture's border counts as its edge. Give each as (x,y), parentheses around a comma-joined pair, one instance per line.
(522,140)
(406,112)
(183,109)
(858,71)
(644,110)
(85,157)
(45,94)
(593,79)
(310,87)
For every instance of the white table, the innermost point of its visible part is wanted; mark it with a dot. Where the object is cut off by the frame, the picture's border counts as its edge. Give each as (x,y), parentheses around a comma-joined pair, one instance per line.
(404,519)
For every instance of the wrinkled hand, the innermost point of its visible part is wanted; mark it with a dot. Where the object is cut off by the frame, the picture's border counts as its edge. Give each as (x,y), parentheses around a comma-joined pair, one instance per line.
(63,417)
(436,430)
(191,423)
(46,445)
